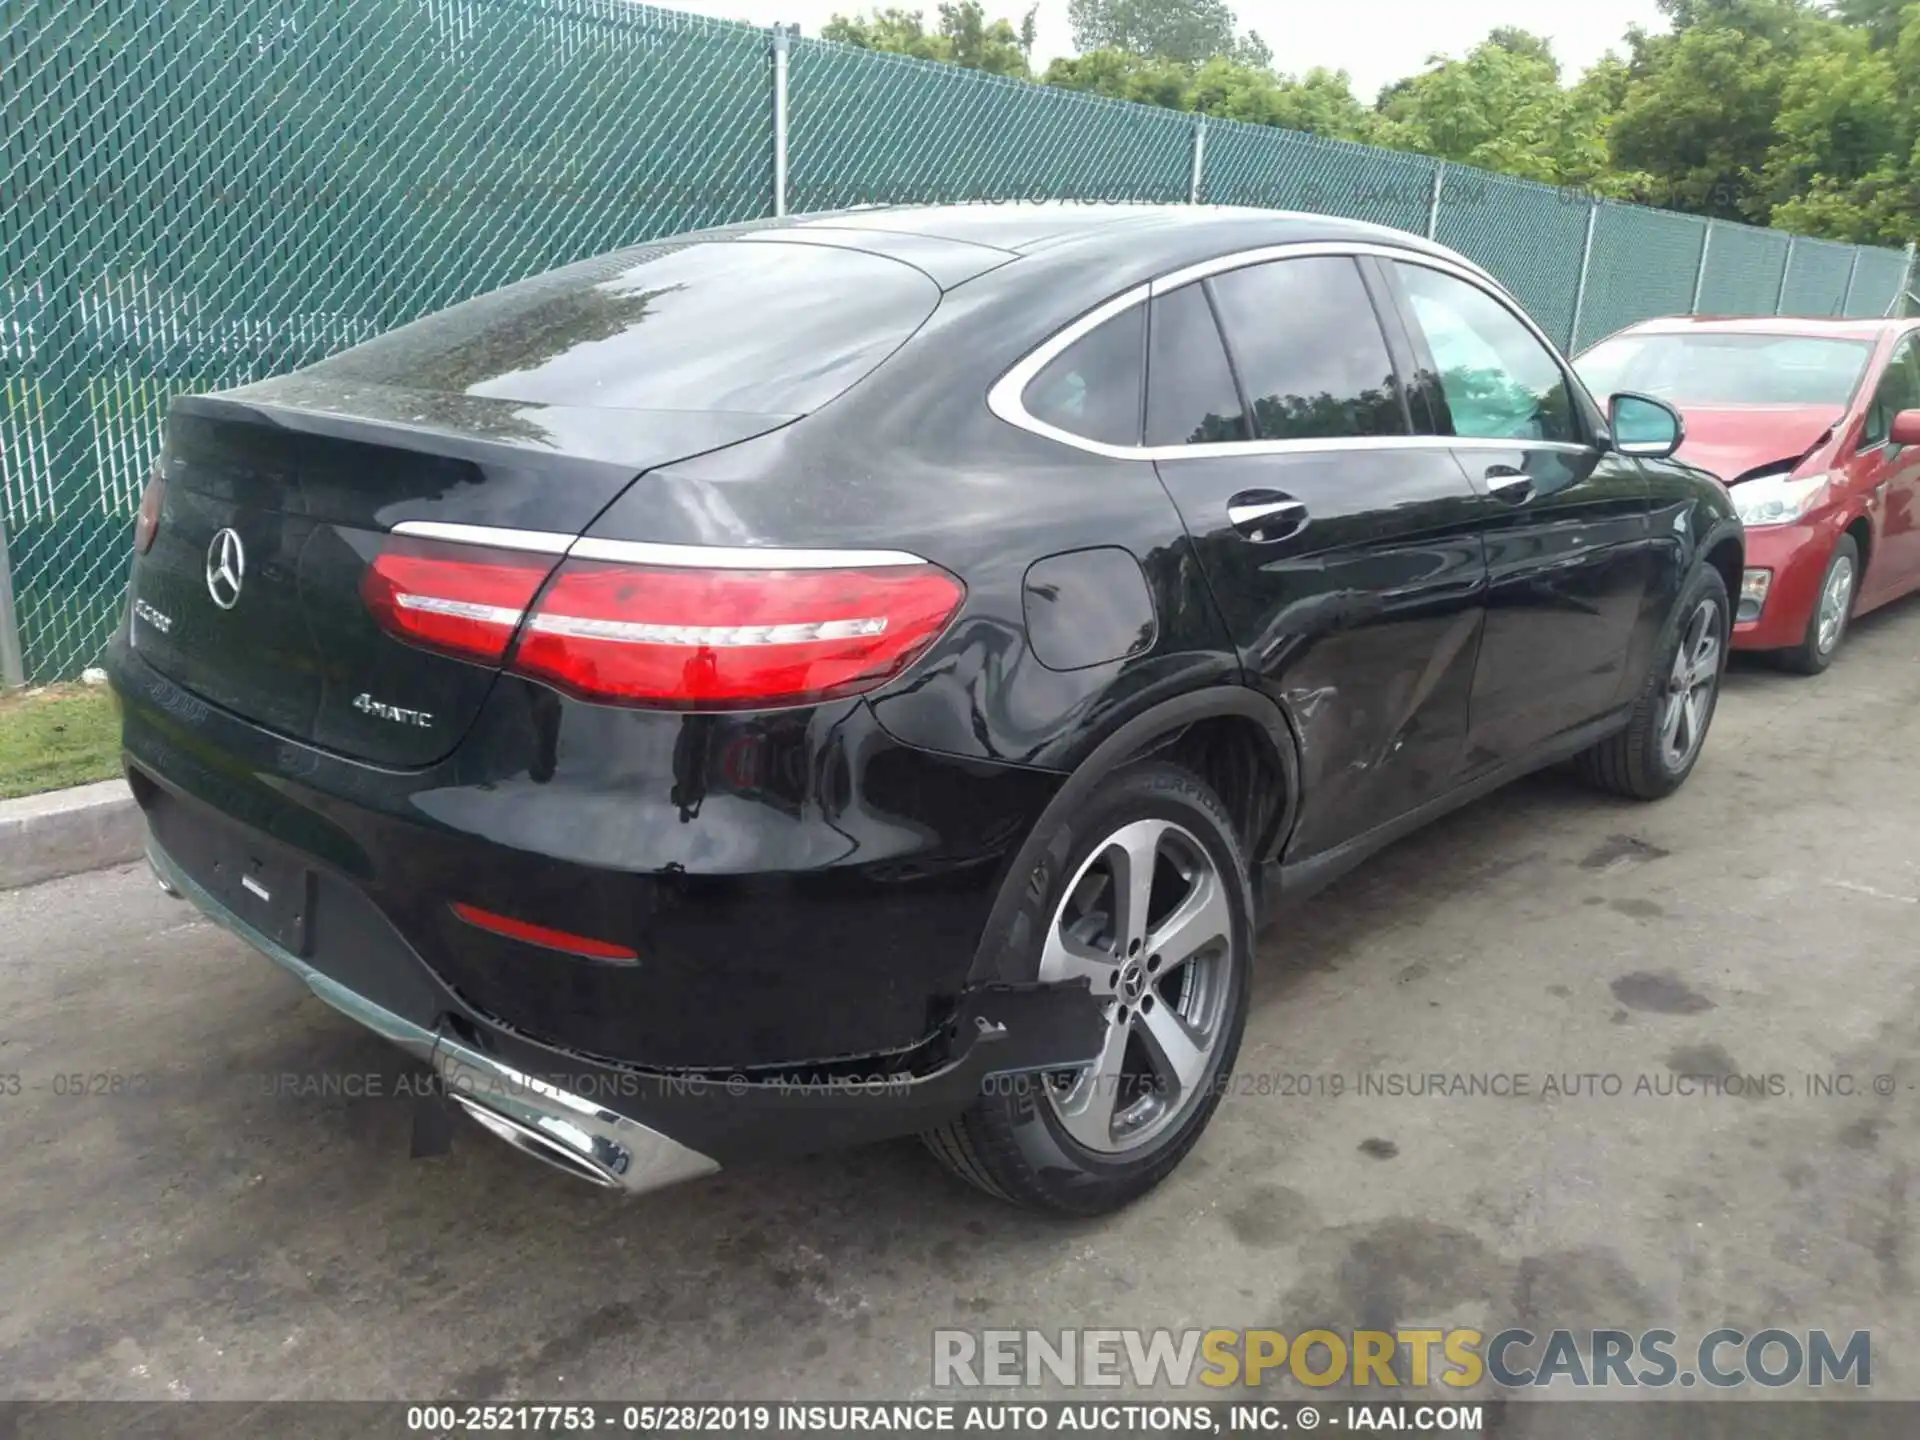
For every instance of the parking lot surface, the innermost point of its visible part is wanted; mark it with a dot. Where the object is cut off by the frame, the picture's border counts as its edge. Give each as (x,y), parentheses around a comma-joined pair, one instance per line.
(226,1226)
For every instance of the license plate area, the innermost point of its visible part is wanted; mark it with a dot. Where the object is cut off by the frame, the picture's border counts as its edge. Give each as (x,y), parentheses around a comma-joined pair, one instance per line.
(261,882)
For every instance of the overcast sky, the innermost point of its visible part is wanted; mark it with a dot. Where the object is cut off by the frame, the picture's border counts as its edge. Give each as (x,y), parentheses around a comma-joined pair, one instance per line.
(1374,41)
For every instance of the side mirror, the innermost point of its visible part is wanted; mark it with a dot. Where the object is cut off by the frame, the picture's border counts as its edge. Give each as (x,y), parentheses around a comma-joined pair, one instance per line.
(1644,427)
(1906,428)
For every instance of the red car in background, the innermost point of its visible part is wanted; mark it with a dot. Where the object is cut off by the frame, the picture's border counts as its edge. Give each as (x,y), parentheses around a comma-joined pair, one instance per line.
(1815,427)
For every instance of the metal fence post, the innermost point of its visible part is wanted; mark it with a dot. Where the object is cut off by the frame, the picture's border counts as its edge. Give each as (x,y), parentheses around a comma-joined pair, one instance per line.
(1853,269)
(13,669)
(1780,300)
(1433,201)
(1586,264)
(782,41)
(1199,159)
(1898,305)
(1700,275)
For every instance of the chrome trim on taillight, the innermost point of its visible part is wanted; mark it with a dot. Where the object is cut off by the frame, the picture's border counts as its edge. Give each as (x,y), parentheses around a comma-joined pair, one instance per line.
(639,632)
(459,609)
(736,557)
(538,542)
(648,552)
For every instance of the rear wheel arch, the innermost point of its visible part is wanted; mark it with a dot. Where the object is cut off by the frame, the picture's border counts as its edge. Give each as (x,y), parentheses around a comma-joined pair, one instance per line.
(1239,742)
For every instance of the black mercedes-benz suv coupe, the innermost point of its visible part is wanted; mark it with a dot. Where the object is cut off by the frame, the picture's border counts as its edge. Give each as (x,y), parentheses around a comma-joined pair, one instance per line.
(867,674)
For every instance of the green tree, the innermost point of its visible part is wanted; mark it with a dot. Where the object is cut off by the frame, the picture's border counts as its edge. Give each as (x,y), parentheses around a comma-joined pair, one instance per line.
(1782,112)
(1189,30)
(1321,102)
(1118,75)
(1882,20)
(1500,107)
(1844,163)
(1699,116)
(964,37)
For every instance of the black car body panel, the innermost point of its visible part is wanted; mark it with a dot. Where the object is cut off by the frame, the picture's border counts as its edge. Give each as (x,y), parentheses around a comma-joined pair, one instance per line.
(831,886)
(729,852)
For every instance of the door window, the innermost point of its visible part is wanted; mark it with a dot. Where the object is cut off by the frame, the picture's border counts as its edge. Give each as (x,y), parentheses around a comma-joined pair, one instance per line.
(1308,347)
(1499,382)
(1899,389)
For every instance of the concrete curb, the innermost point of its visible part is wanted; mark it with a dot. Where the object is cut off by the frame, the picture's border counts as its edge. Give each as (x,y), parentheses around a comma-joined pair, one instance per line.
(89,827)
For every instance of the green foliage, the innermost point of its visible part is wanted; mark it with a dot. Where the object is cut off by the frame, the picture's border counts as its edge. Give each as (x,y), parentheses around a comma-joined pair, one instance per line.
(1783,112)
(1500,108)
(1189,30)
(1321,102)
(964,37)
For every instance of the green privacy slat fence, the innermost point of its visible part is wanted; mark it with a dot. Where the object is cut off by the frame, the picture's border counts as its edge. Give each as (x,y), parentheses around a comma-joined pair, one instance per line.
(203,192)
(869,128)
(1817,278)
(1744,266)
(197,193)
(1283,170)
(1644,263)
(1878,281)
(1481,216)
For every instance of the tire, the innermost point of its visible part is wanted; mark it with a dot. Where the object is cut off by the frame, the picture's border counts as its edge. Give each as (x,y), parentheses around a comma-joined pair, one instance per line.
(1812,655)
(1090,1140)
(1646,761)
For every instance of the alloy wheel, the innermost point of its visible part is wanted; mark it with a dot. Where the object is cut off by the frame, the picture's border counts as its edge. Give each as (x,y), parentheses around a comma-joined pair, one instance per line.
(1691,686)
(1836,599)
(1148,922)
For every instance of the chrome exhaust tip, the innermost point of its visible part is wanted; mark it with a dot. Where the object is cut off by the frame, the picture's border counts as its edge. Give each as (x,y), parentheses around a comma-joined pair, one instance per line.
(566,1130)
(537,1117)
(167,887)
(529,1141)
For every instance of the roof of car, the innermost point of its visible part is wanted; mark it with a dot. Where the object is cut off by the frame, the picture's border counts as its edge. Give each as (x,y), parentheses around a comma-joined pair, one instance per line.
(1025,227)
(1812,326)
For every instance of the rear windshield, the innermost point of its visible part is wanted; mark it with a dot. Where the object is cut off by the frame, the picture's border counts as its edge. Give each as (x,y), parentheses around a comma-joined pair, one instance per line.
(767,328)
(1707,369)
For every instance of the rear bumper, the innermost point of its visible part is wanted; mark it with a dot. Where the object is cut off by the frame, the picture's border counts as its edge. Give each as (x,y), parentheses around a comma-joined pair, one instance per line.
(633,1130)
(804,911)
(792,890)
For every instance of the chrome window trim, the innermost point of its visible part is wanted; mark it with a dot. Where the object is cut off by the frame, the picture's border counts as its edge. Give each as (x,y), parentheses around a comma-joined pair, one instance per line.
(648,552)
(1004,398)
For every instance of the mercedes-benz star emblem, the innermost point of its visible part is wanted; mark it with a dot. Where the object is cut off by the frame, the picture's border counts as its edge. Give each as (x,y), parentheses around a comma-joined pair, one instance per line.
(226,569)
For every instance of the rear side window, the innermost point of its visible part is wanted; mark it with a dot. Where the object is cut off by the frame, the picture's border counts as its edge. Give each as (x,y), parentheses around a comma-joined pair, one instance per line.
(765,329)
(1191,397)
(1092,388)
(1308,347)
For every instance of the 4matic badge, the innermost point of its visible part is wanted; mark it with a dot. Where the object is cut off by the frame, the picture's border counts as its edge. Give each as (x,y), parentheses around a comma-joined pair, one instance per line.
(380,710)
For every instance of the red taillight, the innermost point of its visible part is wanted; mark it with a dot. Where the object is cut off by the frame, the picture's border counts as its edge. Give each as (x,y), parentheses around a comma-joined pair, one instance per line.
(730,639)
(542,935)
(146,520)
(459,599)
(676,637)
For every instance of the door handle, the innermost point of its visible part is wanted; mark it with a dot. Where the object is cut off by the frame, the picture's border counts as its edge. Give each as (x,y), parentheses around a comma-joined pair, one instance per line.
(1265,515)
(1508,484)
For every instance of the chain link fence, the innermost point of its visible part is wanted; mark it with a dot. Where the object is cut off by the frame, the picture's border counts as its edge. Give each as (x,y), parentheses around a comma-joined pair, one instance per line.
(200,193)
